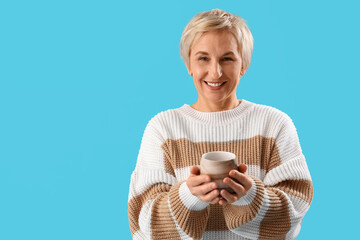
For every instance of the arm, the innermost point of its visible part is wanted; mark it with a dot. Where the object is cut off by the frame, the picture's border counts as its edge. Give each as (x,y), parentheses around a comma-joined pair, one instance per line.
(159,205)
(272,208)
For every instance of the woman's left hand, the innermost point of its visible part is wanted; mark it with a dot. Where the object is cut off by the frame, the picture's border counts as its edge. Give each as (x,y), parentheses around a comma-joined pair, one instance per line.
(239,182)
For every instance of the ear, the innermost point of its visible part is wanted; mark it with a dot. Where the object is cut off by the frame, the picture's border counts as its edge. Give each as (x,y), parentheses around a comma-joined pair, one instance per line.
(189,69)
(242,72)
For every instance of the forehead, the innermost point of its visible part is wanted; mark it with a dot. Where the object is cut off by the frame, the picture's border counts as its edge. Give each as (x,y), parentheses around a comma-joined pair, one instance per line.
(218,41)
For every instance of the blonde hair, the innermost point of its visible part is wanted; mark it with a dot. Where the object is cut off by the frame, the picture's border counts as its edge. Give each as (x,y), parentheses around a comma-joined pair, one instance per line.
(217,19)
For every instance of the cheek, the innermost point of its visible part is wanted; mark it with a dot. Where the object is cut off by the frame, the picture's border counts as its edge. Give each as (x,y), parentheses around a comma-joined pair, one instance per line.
(236,73)
(198,74)
(232,73)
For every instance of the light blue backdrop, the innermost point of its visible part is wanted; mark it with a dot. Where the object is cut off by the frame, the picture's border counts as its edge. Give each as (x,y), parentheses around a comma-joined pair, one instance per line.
(79,80)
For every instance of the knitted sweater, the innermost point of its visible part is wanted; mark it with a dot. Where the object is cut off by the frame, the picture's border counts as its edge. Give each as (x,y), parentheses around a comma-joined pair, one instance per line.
(160,204)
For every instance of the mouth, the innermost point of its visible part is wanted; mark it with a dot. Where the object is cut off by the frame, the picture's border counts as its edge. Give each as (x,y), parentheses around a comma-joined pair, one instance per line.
(215,85)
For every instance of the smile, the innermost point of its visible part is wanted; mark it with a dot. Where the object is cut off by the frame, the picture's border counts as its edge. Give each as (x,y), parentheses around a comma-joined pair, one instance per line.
(214,84)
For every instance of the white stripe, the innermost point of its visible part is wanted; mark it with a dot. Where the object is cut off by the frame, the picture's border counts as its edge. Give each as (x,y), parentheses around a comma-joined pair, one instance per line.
(145,218)
(261,120)
(182,173)
(294,169)
(145,178)
(256,171)
(251,229)
(300,205)
(138,235)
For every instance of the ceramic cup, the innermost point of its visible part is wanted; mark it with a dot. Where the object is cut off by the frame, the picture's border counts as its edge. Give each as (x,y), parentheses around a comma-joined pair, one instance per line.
(218,165)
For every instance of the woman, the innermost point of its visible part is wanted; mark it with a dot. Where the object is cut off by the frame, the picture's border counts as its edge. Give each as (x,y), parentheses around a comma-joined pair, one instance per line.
(170,199)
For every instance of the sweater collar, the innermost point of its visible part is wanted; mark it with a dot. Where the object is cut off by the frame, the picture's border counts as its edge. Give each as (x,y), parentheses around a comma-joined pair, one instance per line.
(220,117)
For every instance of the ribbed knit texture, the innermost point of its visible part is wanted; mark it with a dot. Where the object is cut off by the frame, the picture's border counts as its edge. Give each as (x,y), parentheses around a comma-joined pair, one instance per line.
(264,138)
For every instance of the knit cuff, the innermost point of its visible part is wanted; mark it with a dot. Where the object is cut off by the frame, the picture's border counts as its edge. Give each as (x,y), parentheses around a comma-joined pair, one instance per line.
(249,197)
(189,200)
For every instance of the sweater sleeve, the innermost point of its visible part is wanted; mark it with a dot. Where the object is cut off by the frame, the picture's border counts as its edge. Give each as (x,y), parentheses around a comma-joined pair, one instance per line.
(275,206)
(160,206)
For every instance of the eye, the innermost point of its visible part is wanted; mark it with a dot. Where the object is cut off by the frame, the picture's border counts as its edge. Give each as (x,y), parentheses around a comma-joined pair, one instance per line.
(227,59)
(203,58)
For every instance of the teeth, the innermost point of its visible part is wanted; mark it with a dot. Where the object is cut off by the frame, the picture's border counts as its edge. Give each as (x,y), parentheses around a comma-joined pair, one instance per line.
(214,84)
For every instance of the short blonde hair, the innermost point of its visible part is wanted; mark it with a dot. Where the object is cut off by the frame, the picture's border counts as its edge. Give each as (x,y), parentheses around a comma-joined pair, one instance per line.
(217,19)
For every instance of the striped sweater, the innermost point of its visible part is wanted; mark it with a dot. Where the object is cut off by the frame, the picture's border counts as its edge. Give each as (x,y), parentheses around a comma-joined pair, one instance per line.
(160,204)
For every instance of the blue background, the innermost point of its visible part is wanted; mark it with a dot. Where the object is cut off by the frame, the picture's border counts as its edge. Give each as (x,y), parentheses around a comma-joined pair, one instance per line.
(79,80)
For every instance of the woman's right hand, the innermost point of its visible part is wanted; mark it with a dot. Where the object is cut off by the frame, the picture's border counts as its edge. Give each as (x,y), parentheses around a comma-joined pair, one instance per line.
(202,187)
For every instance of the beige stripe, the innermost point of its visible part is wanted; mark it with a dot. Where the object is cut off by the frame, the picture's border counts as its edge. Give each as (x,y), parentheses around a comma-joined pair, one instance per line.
(299,188)
(239,215)
(135,204)
(216,219)
(167,160)
(162,225)
(277,220)
(193,223)
(260,151)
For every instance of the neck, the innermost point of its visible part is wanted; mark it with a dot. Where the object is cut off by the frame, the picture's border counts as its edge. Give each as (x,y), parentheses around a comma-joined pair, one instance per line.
(207,106)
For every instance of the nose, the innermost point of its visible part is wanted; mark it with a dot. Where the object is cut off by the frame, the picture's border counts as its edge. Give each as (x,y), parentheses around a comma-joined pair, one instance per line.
(215,70)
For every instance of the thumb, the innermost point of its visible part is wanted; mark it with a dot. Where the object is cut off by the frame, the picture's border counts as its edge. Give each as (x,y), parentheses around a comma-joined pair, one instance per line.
(242,168)
(195,170)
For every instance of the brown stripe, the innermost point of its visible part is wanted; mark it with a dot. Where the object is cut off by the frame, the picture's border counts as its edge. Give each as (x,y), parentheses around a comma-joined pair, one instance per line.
(258,150)
(135,204)
(162,225)
(239,215)
(216,219)
(277,220)
(193,223)
(299,188)
(167,159)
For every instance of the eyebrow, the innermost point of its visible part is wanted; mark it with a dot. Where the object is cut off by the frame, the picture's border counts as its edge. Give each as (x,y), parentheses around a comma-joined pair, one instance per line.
(205,53)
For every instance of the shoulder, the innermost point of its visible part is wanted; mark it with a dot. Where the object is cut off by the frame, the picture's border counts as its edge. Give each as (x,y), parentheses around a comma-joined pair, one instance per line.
(165,121)
(270,120)
(166,116)
(270,113)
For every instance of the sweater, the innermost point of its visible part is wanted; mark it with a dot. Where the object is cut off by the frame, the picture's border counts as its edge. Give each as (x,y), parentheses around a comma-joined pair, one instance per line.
(160,205)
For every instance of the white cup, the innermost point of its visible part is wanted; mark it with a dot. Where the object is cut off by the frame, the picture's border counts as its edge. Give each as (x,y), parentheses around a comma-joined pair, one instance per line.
(217,165)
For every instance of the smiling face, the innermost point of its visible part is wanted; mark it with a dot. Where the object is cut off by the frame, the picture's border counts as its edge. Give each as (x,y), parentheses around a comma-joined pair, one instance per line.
(216,67)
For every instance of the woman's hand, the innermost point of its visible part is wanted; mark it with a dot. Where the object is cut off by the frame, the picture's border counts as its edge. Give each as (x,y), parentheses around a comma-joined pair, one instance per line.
(200,185)
(239,182)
